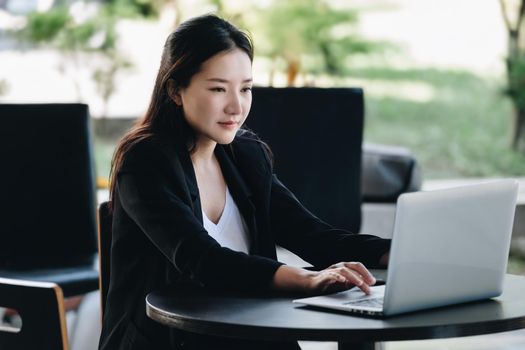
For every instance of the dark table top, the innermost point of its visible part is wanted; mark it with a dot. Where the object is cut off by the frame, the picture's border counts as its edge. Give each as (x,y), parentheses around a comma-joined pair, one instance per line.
(275,316)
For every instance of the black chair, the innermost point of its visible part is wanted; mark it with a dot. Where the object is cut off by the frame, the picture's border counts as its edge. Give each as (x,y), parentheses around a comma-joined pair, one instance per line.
(315,135)
(48,214)
(104,251)
(41,308)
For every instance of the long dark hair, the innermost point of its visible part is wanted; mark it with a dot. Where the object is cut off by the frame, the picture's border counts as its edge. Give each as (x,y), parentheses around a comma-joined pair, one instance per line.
(192,43)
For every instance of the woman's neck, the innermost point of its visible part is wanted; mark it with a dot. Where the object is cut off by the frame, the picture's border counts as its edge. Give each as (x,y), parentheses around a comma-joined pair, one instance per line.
(204,153)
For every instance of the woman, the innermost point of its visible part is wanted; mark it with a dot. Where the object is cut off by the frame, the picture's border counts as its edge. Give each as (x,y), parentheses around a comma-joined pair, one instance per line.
(195,202)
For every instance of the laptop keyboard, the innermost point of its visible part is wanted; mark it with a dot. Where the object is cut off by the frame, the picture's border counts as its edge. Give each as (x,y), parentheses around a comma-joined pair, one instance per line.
(372,302)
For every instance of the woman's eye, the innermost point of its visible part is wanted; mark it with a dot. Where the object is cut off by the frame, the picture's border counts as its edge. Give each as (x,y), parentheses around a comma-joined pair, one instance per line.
(217,89)
(246,89)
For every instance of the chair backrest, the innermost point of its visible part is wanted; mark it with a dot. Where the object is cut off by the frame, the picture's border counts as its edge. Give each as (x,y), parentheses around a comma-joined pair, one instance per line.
(48,213)
(315,135)
(104,251)
(41,307)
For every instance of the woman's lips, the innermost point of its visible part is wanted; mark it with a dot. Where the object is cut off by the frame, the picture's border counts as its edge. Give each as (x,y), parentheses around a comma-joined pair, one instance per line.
(228,125)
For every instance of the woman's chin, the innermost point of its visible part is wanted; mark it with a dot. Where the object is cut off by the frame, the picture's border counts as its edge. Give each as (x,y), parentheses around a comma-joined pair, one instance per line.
(225,139)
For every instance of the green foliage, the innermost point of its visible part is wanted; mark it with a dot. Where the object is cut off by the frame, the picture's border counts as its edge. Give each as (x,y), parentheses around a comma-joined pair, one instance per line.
(78,36)
(57,28)
(297,28)
(219,5)
(134,8)
(46,26)
(95,36)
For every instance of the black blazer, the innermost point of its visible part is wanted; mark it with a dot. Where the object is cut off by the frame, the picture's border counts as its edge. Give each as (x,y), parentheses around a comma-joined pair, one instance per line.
(159,240)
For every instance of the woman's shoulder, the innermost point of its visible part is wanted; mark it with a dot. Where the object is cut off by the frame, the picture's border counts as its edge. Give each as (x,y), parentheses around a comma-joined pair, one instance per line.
(249,145)
(247,139)
(149,150)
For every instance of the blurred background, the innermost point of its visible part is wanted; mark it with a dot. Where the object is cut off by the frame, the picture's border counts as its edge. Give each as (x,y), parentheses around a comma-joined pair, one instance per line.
(443,78)
(446,79)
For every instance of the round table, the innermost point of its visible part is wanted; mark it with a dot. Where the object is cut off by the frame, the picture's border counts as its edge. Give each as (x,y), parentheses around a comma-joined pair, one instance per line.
(276,317)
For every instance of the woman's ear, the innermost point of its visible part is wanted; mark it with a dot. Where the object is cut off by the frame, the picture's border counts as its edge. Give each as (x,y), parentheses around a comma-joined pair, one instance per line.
(174,93)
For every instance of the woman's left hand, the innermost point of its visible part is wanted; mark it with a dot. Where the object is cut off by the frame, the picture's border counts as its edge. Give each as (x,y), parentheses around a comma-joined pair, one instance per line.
(337,277)
(353,274)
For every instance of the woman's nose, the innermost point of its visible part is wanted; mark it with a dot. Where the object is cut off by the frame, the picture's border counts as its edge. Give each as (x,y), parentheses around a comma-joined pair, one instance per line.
(234,105)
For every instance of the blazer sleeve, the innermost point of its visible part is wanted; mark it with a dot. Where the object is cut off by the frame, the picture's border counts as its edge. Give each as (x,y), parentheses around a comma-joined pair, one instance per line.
(150,194)
(315,241)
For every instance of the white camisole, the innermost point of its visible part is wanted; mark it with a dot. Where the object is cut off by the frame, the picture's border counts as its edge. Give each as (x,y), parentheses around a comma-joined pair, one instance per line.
(231,230)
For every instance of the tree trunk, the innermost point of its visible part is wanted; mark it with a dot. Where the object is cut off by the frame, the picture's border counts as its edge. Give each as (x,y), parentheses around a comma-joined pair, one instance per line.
(514,53)
(518,132)
(292,71)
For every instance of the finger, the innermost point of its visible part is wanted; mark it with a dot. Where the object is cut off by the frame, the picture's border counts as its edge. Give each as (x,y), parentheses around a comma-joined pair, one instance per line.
(335,282)
(365,288)
(360,283)
(358,268)
(341,279)
(327,281)
(338,277)
(363,271)
(354,278)
(334,266)
(331,277)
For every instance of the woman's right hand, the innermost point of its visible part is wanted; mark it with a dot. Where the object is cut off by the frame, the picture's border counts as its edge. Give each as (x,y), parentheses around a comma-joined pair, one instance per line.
(338,277)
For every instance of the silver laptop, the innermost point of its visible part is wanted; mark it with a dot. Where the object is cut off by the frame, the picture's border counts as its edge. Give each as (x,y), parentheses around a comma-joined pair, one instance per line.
(449,246)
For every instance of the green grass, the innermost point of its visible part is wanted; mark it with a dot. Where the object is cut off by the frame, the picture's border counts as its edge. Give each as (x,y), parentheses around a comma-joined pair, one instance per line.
(462,131)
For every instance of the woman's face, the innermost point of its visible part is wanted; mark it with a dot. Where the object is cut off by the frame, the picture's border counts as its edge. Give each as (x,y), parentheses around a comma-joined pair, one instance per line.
(218,98)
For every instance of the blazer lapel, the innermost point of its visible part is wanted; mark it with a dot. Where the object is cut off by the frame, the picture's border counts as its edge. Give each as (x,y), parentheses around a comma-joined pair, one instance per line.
(240,192)
(191,182)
